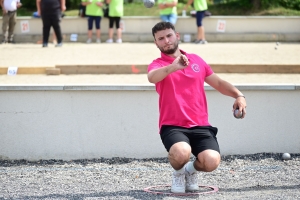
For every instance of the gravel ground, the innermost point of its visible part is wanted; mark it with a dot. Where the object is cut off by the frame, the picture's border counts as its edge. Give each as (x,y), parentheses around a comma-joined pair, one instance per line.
(257,176)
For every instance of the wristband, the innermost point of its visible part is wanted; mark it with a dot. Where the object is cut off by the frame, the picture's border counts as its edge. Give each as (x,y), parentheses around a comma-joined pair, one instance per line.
(240,96)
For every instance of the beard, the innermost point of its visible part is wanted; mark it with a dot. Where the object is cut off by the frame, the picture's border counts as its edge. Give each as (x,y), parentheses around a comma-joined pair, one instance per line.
(171,50)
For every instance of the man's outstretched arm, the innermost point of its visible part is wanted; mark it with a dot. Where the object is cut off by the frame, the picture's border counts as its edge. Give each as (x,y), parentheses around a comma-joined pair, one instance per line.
(157,75)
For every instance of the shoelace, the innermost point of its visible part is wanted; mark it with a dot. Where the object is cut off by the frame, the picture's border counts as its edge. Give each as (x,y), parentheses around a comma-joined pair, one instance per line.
(191,178)
(178,180)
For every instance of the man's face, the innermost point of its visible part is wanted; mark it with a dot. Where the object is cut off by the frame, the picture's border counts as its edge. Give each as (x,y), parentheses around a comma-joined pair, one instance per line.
(167,41)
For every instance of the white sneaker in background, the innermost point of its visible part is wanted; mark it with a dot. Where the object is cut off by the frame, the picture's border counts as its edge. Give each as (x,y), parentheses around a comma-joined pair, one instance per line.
(119,41)
(200,42)
(178,182)
(109,41)
(98,41)
(89,41)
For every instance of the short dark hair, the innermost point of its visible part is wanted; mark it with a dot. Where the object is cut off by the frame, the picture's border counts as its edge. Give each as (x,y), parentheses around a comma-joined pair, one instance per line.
(162,26)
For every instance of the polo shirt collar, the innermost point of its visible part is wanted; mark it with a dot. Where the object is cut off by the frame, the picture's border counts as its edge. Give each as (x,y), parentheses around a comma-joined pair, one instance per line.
(168,58)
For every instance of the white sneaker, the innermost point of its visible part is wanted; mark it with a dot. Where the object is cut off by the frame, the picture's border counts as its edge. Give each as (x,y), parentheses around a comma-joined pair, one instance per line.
(200,42)
(98,41)
(191,181)
(178,183)
(109,41)
(119,41)
(89,41)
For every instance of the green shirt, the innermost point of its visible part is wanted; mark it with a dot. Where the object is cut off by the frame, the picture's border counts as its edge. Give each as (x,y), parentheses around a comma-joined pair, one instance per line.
(116,8)
(200,5)
(92,9)
(168,11)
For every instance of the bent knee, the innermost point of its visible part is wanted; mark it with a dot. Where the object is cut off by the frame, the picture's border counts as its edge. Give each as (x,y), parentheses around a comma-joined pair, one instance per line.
(210,160)
(211,166)
(180,152)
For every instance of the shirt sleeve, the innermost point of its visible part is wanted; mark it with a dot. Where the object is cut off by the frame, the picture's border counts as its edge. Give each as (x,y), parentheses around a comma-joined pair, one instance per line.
(154,65)
(208,70)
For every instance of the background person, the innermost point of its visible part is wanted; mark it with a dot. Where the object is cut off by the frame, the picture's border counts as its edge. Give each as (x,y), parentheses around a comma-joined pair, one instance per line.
(51,12)
(54,40)
(183,121)
(168,10)
(95,13)
(116,11)
(200,8)
(9,18)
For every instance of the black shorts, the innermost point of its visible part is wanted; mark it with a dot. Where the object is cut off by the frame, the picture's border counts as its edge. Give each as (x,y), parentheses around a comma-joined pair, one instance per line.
(199,138)
(113,20)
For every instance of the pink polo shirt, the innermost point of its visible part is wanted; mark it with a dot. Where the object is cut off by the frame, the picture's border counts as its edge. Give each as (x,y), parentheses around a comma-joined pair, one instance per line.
(182,99)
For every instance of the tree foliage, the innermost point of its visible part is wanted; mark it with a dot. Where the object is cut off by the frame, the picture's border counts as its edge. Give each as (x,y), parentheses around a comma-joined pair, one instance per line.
(31,4)
(261,4)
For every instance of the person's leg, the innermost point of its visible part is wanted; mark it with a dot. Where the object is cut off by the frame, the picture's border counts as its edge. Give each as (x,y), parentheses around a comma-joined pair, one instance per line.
(207,161)
(111,30)
(179,155)
(201,33)
(164,18)
(98,30)
(173,18)
(177,144)
(119,30)
(5,20)
(206,150)
(90,29)
(11,26)
(110,33)
(56,26)
(200,29)
(54,40)
(46,29)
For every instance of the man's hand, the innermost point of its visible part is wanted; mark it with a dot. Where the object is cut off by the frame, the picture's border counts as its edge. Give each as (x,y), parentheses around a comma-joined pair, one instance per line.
(63,8)
(100,4)
(240,103)
(180,62)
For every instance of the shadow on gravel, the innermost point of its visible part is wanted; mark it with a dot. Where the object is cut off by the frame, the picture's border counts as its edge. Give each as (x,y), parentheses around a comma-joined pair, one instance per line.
(260,188)
(82,162)
(136,194)
(120,160)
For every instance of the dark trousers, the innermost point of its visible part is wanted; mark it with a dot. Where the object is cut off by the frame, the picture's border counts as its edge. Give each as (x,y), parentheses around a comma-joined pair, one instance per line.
(54,21)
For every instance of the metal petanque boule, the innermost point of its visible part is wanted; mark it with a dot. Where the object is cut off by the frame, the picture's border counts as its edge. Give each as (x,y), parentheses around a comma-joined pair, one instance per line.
(286,156)
(149,3)
(236,114)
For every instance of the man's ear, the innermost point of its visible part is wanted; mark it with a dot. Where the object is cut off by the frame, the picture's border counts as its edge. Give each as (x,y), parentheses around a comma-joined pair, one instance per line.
(178,35)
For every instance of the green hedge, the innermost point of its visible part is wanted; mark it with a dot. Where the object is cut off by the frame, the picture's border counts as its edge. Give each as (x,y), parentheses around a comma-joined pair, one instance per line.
(291,4)
(264,4)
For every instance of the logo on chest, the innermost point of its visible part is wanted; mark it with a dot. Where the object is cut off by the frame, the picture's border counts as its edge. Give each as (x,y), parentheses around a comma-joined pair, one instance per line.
(195,67)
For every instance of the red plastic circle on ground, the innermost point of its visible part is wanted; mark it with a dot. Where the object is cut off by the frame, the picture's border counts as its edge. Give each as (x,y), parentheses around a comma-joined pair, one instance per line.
(149,190)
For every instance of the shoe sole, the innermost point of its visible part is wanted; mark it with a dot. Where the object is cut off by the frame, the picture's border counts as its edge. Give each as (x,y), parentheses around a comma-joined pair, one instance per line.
(177,191)
(191,189)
